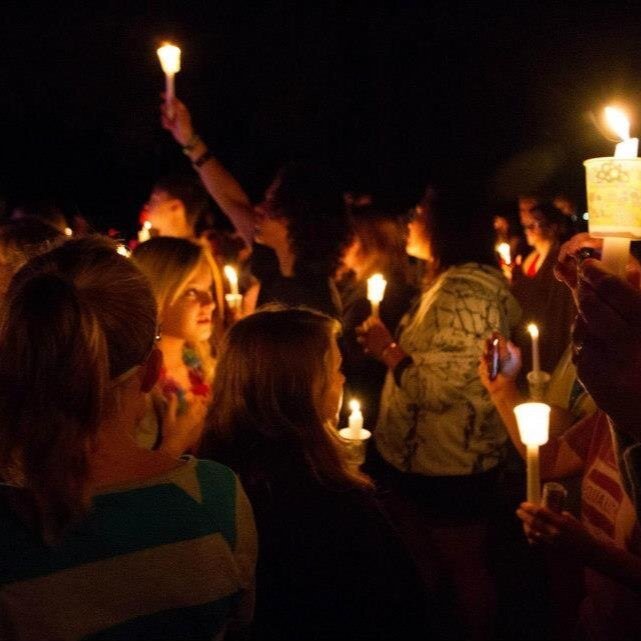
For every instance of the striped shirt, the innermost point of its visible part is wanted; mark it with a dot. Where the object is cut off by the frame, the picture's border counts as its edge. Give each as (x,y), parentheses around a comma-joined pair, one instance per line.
(169,558)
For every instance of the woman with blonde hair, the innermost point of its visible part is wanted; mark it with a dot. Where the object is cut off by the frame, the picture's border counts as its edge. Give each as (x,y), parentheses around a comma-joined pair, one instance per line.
(330,564)
(181,277)
(100,537)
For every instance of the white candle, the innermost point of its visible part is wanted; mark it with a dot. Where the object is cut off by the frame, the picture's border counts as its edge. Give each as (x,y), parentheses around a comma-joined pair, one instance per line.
(232,277)
(534,422)
(355,420)
(145,233)
(617,249)
(170,62)
(376,285)
(534,333)
(503,250)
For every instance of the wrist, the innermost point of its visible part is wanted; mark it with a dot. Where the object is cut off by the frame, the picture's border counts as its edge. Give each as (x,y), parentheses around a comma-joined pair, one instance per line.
(190,143)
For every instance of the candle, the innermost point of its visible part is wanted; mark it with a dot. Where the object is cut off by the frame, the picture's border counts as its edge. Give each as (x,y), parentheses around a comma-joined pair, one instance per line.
(534,333)
(376,285)
(170,62)
(613,186)
(145,233)
(68,231)
(618,122)
(503,250)
(123,251)
(355,420)
(232,277)
(534,421)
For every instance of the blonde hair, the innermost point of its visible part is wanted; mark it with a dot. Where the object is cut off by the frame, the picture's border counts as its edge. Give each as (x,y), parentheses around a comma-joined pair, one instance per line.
(74,320)
(169,263)
(271,367)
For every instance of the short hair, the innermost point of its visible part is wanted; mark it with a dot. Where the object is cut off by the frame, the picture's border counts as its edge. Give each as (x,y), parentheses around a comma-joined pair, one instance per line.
(308,196)
(266,395)
(74,320)
(194,197)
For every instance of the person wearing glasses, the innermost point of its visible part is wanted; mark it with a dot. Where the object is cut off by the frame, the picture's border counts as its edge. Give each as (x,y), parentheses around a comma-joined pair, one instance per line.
(297,232)
(100,537)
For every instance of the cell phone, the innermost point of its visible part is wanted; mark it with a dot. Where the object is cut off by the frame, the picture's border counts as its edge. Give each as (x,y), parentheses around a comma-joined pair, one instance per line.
(493,358)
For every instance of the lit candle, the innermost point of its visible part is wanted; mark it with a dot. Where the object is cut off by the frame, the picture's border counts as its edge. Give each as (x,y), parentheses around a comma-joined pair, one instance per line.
(503,250)
(68,231)
(232,277)
(534,421)
(355,420)
(620,125)
(534,333)
(170,62)
(376,291)
(613,185)
(145,233)
(123,251)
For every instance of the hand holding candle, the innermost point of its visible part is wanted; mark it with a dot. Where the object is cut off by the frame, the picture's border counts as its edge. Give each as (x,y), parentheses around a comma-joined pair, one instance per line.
(376,291)
(533,420)
(170,62)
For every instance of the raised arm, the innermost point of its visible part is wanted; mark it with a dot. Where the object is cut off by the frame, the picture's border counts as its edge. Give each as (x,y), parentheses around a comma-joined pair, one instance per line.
(220,184)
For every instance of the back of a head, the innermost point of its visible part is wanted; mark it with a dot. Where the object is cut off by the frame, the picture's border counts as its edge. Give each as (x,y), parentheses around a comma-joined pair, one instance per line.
(23,239)
(461,230)
(75,319)
(193,195)
(309,197)
(382,240)
(270,375)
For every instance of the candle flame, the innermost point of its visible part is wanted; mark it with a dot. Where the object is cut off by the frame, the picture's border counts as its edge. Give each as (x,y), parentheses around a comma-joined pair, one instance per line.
(533,330)
(534,422)
(123,251)
(231,274)
(354,405)
(169,58)
(503,250)
(376,288)
(618,122)
(68,231)
(147,225)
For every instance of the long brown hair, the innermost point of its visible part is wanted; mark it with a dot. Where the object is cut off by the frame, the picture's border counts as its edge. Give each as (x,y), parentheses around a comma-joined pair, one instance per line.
(74,320)
(271,371)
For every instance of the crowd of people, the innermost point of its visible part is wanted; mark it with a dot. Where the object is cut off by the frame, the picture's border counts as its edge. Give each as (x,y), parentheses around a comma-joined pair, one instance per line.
(171,463)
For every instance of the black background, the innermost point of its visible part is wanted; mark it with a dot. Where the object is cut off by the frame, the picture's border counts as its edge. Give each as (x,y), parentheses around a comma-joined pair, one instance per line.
(384,91)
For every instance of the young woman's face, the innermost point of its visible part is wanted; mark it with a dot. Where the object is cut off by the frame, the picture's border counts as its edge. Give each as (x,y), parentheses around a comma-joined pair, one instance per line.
(331,397)
(535,232)
(190,315)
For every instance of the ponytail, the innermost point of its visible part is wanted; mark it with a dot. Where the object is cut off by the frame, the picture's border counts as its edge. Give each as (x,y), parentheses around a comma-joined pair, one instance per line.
(56,353)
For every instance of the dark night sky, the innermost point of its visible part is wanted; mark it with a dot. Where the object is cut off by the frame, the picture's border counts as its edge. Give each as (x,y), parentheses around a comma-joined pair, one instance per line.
(385,91)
